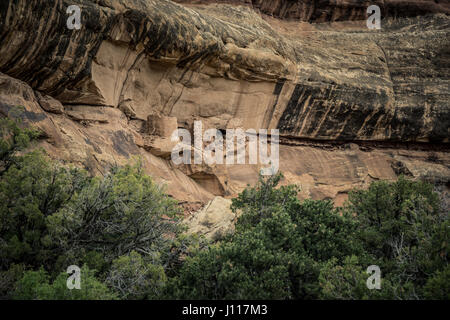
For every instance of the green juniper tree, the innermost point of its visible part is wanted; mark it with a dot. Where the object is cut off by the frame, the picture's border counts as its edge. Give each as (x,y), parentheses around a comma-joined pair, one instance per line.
(277,251)
(284,248)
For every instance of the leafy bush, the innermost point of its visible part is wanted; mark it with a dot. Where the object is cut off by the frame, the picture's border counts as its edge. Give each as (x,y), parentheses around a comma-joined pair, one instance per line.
(287,249)
(277,251)
(116,214)
(348,281)
(401,225)
(32,190)
(35,285)
(135,278)
(14,137)
(438,285)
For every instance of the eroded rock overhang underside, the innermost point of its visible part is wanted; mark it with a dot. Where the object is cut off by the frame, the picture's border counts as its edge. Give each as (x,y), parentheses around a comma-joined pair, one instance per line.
(352,105)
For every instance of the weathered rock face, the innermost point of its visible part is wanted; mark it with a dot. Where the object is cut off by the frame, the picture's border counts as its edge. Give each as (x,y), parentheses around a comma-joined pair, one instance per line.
(214,221)
(332,10)
(352,105)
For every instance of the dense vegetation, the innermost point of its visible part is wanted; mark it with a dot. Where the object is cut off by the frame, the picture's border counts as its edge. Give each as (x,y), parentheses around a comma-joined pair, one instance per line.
(125,234)
(287,249)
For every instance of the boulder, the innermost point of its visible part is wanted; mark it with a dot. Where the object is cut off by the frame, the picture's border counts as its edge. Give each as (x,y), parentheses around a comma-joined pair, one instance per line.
(213,221)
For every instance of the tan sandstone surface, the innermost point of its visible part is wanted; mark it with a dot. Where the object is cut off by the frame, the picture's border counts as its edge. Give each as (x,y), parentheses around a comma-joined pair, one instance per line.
(352,105)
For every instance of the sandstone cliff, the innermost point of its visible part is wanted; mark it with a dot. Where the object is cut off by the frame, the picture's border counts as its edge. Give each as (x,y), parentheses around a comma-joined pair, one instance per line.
(353,105)
(335,10)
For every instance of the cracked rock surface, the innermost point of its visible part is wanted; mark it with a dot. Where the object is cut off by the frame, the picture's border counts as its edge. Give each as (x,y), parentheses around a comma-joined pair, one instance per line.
(352,105)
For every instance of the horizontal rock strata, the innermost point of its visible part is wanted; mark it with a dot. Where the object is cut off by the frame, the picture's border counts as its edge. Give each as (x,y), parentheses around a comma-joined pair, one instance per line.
(352,105)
